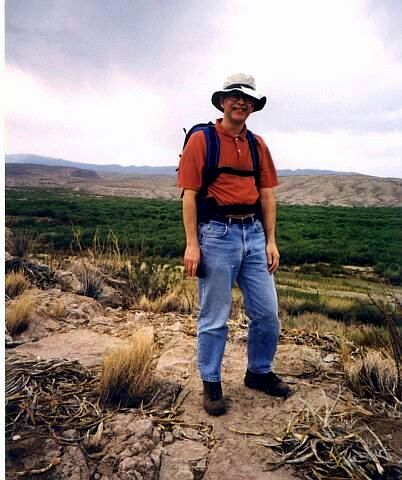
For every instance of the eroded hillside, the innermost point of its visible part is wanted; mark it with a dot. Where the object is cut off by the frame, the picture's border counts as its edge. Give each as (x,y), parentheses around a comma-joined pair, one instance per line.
(340,190)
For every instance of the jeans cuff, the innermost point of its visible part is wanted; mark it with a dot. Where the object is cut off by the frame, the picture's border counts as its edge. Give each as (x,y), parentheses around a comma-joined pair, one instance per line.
(259,371)
(210,379)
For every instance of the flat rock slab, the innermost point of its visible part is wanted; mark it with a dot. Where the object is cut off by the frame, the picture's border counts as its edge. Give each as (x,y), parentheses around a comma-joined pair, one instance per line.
(84,345)
(243,460)
(178,357)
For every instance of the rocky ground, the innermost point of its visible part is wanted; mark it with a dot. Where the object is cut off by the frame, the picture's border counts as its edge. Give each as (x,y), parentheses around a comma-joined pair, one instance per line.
(139,443)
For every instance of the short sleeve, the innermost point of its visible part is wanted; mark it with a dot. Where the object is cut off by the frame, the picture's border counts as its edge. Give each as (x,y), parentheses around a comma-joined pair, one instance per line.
(268,175)
(192,162)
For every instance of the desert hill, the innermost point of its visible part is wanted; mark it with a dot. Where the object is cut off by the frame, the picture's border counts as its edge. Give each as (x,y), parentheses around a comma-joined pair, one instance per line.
(37,171)
(340,190)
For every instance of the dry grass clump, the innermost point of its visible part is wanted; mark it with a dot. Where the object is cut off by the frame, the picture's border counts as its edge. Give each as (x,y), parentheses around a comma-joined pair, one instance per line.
(126,375)
(373,375)
(19,313)
(20,243)
(91,281)
(312,322)
(177,301)
(57,309)
(15,284)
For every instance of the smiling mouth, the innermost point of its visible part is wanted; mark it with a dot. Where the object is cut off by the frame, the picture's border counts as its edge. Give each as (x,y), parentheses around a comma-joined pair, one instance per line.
(242,109)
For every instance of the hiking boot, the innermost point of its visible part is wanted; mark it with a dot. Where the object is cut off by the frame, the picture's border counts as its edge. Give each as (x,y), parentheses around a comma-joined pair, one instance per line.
(214,404)
(268,383)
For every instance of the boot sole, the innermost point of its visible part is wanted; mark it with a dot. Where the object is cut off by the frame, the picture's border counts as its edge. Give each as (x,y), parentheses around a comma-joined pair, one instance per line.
(216,410)
(272,394)
(216,413)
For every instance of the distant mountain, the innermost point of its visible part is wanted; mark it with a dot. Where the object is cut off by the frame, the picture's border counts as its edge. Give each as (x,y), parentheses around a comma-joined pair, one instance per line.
(111,168)
(341,190)
(141,170)
(311,172)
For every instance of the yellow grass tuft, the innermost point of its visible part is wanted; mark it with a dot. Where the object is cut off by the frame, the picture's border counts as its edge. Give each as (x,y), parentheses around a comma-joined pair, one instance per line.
(19,314)
(312,322)
(57,309)
(126,375)
(15,284)
(373,375)
(180,300)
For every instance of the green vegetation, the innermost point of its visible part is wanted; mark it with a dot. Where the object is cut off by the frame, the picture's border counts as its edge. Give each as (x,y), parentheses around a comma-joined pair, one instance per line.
(306,234)
(63,219)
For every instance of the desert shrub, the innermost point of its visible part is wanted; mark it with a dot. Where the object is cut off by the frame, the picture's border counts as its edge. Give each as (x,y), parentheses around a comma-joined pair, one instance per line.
(19,314)
(294,302)
(91,281)
(368,336)
(373,375)
(126,375)
(15,284)
(390,272)
(148,278)
(20,243)
(323,269)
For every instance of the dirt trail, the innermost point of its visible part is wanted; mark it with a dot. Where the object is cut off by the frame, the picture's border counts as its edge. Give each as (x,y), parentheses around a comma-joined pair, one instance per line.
(238,455)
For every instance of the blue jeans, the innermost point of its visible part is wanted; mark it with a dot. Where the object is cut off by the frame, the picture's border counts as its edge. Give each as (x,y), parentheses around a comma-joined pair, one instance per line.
(230,253)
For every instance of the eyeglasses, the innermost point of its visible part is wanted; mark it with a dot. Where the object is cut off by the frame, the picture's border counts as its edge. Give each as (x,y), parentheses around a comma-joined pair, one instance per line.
(236,96)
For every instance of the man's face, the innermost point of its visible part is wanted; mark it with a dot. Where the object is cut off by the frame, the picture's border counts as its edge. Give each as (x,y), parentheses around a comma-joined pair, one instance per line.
(237,106)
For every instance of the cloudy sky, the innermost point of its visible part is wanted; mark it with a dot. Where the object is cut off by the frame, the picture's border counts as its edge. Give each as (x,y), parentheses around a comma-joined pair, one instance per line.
(115,81)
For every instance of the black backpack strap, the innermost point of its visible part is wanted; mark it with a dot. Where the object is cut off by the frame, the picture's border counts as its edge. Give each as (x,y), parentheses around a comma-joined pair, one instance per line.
(212,148)
(254,155)
(211,160)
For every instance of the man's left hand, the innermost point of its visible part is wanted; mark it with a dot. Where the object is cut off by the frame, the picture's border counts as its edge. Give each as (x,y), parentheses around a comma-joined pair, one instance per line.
(273,257)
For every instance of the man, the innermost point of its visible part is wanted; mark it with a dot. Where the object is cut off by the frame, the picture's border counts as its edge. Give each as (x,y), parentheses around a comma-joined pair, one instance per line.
(230,237)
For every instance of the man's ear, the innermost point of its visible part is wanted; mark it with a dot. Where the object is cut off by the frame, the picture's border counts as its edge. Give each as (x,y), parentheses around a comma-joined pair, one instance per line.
(221,100)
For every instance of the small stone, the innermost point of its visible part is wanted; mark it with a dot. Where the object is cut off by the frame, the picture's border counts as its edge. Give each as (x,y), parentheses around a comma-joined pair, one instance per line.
(71,434)
(167,438)
(176,327)
(331,357)
(156,436)
(191,434)
(156,458)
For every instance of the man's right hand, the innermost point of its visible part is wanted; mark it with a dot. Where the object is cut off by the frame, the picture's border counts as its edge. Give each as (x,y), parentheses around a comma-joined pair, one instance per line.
(192,257)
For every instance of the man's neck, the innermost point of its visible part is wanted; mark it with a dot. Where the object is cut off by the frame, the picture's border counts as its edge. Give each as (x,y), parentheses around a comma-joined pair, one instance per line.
(234,128)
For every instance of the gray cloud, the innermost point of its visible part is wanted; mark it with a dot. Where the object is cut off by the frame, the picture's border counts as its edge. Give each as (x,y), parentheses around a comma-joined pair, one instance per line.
(180,50)
(148,38)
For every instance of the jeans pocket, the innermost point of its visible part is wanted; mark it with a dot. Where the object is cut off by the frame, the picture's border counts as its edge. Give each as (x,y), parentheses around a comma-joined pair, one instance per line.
(258,227)
(214,230)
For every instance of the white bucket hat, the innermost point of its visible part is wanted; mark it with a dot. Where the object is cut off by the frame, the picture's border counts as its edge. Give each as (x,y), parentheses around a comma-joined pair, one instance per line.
(239,82)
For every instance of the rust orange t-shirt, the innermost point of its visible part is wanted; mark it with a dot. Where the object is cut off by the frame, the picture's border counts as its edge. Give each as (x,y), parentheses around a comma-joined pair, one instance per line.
(227,189)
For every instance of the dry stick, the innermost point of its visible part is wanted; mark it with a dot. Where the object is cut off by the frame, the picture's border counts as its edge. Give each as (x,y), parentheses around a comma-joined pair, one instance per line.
(38,471)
